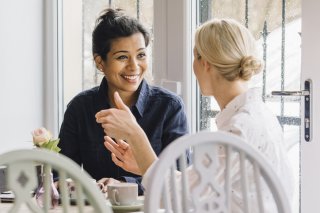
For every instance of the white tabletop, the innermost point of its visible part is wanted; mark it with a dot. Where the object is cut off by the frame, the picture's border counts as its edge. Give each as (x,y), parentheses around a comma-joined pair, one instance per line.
(6,206)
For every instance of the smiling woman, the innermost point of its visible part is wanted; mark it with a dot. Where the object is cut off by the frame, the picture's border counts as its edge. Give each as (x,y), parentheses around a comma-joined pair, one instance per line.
(120,53)
(126,65)
(119,44)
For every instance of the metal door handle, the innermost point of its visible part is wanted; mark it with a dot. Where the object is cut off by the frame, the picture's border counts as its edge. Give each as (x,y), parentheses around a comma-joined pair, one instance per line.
(307,93)
(291,93)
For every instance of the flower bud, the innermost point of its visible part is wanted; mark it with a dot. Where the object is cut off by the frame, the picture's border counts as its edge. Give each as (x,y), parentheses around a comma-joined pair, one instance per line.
(41,136)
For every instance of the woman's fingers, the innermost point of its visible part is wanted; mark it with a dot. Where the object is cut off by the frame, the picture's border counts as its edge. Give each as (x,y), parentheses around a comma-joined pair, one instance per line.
(122,144)
(114,151)
(116,160)
(119,103)
(101,115)
(113,146)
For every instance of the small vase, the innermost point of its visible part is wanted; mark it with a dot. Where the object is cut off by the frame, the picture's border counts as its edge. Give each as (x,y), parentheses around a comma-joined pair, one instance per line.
(40,192)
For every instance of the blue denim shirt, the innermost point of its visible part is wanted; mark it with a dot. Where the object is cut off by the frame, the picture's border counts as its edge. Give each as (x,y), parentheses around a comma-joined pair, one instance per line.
(159,112)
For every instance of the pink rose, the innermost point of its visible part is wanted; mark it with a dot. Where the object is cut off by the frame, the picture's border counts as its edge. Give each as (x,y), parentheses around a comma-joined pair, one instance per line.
(41,136)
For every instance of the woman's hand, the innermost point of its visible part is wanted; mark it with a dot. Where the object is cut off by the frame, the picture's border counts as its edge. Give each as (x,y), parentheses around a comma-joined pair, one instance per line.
(122,155)
(105,181)
(118,122)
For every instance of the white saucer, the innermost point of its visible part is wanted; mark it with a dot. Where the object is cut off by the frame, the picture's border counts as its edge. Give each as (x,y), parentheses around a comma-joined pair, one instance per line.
(135,207)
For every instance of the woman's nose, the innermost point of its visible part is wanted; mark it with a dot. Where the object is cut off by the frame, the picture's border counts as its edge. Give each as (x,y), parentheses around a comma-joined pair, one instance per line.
(134,64)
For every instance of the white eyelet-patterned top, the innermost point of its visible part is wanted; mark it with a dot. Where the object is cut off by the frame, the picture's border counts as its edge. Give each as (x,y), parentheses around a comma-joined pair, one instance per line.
(248,117)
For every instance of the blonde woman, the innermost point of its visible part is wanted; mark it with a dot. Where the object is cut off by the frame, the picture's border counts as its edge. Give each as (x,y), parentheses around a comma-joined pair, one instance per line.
(225,59)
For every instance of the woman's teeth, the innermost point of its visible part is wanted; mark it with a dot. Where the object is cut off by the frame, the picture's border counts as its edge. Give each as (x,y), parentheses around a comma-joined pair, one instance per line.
(130,77)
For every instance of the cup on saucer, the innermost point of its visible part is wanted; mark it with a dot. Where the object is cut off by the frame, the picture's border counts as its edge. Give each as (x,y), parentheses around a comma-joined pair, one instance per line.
(123,194)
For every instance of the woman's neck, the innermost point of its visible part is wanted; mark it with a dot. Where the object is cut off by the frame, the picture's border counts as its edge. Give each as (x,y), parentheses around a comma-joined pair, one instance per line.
(227,91)
(129,98)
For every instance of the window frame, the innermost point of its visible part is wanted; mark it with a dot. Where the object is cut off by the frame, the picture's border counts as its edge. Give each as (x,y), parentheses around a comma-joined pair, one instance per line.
(174,25)
(53,65)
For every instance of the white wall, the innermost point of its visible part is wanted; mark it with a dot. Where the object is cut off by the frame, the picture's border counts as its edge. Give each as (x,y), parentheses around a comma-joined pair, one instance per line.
(21,72)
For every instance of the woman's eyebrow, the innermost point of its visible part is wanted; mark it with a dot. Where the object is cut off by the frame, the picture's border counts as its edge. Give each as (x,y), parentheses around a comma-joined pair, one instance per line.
(120,51)
(125,51)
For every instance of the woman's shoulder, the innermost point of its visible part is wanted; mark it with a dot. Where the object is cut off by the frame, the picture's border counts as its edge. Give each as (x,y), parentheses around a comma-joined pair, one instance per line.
(84,96)
(253,114)
(255,120)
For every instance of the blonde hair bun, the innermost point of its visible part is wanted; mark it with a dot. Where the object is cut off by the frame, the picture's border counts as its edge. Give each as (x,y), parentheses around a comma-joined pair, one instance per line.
(230,47)
(249,66)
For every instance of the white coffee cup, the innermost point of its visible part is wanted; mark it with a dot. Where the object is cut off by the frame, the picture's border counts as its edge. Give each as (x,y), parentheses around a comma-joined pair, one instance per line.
(123,194)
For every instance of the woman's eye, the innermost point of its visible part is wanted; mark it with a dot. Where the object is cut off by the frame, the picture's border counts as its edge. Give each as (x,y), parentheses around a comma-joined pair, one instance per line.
(141,55)
(122,57)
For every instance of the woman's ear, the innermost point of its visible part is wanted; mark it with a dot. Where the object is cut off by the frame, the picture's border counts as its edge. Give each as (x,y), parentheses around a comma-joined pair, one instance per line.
(99,62)
(206,65)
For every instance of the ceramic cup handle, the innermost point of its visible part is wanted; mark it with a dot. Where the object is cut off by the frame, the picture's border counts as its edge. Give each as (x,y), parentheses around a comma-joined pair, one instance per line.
(114,196)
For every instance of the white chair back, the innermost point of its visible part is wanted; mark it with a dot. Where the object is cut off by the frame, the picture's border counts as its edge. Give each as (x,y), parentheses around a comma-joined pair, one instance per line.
(227,175)
(22,178)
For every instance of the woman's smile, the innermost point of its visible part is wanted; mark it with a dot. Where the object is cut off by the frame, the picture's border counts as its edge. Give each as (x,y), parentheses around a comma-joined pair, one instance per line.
(131,78)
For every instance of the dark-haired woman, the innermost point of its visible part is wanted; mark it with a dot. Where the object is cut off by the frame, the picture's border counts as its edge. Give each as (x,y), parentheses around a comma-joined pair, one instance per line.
(119,47)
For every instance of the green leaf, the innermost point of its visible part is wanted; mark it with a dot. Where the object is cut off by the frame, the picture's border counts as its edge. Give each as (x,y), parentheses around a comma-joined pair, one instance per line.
(52,145)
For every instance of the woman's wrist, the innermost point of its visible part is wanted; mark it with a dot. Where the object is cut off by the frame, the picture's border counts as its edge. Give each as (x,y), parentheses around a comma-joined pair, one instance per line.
(141,148)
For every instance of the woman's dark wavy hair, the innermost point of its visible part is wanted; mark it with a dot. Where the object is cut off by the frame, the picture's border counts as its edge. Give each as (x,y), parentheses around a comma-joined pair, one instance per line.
(113,24)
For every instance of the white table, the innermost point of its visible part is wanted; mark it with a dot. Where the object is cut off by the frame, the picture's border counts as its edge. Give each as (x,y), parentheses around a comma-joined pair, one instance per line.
(6,206)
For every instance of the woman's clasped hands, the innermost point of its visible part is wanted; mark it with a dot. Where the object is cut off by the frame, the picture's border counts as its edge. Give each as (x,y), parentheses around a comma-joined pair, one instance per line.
(113,120)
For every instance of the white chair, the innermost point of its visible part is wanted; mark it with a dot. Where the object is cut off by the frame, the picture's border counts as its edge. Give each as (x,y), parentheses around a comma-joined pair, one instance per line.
(227,175)
(22,178)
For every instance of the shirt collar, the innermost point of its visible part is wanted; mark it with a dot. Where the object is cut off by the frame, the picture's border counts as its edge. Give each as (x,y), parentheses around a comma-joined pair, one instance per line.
(140,105)
(143,97)
(251,95)
(103,99)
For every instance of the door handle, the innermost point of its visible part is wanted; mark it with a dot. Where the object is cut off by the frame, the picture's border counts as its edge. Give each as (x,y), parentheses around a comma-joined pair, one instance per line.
(307,94)
(291,93)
